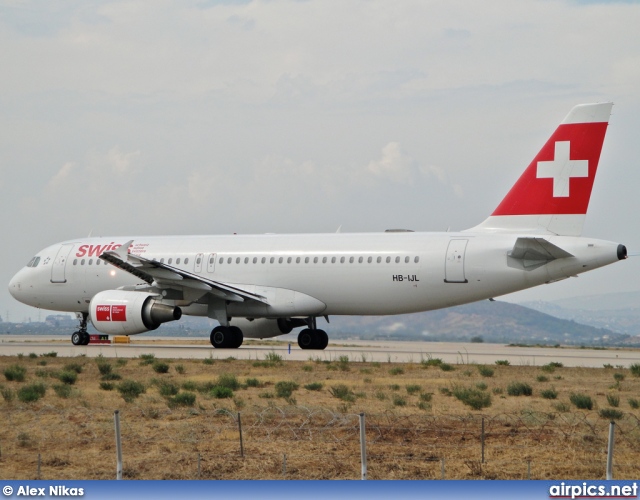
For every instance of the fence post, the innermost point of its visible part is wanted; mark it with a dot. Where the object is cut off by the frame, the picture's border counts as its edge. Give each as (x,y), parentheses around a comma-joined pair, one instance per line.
(610,451)
(116,417)
(363,448)
(442,467)
(240,431)
(39,466)
(482,439)
(199,469)
(529,469)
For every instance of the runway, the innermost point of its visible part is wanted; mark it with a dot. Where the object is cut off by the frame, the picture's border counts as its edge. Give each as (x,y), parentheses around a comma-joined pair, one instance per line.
(356,350)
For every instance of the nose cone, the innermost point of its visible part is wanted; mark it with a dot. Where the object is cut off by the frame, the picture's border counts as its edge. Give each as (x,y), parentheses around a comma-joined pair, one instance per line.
(16,286)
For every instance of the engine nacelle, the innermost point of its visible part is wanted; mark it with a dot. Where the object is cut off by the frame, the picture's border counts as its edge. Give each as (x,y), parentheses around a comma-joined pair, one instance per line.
(262,328)
(117,312)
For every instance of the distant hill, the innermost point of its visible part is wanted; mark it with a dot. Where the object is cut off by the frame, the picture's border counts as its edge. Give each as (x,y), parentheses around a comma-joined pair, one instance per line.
(493,321)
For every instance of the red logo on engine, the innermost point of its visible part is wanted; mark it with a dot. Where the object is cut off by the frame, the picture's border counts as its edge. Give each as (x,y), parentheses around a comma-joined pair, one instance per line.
(111,313)
(103,313)
(118,313)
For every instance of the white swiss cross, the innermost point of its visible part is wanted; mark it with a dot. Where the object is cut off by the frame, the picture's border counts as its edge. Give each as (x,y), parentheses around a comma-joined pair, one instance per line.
(561,169)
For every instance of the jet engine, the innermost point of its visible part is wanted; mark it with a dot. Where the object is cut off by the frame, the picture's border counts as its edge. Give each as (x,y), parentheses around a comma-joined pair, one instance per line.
(118,312)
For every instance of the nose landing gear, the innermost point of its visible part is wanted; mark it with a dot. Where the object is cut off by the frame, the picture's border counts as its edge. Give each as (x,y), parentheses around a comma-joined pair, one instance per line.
(81,337)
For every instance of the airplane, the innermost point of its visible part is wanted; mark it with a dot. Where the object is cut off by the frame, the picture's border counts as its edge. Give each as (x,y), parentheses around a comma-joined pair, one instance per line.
(261,286)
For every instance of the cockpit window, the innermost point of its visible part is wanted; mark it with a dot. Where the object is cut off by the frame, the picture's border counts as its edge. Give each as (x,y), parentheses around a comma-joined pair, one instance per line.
(34,262)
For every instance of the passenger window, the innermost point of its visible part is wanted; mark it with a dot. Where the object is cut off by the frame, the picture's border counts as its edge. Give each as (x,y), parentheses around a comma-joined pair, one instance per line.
(406,259)
(264,259)
(75,262)
(416,260)
(360,260)
(90,262)
(315,260)
(255,260)
(186,261)
(397,260)
(280,260)
(178,261)
(246,260)
(341,260)
(272,260)
(297,260)
(82,262)
(229,260)
(350,260)
(211,260)
(289,260)
(333,260)
(379,260)
(237,260)
(198,260)
(388,259)
(97,262)
(369,260)
(324,260)
(306,260)
(170,261)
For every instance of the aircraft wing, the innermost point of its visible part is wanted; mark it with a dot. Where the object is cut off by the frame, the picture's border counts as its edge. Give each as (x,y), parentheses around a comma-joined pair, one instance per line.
(164,275)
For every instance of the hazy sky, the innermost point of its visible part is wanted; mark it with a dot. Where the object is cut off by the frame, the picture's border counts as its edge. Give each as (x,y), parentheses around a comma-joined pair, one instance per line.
(205,117)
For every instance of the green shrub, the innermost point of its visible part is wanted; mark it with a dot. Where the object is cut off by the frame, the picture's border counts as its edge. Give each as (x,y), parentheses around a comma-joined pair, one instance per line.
(180,369)
(183,399)
(343,363)
(611,414)
(446,367)
(307,368)
(8,394)
(130,390)
(423,405)
(342,392)
(106,386)
(111,376)
(519,389)
(189,385)
(582,401)
(380,395)
(253,382)
(32,392)
(168,389)
(15,373)
(51,354)
(399,400)
(32,355)
(396,371)
(68,378)
(426,363)
(314,386)
(413,388)
(474,398)
(147,359)
(273,357)
(482,386)
(220,392)
(561,407)
(121,362)
(394,387)
(73,367)
(618,377)
(634,403)
(502,362)
(228,380)
(426,397)
(635,369)
(445,391)
(285,389)
(542,378)
(62,390)
(613,400)
(160,367)
(104,367)
(497,390)
(208,361)
(549,393)
(485,371)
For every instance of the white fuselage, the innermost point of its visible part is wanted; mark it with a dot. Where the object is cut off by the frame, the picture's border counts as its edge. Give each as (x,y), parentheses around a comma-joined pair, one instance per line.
(344,274)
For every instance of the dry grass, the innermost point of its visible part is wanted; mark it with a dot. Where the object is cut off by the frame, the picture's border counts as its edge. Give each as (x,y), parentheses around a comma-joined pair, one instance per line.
(315,429)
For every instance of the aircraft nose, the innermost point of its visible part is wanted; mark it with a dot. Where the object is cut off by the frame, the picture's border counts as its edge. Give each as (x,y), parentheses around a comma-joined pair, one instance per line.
(16,285)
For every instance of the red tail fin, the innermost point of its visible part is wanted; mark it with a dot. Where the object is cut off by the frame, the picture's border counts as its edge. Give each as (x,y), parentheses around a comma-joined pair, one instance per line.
(552,195)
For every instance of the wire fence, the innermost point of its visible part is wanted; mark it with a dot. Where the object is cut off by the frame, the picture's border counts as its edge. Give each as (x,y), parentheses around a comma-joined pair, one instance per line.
(309,443)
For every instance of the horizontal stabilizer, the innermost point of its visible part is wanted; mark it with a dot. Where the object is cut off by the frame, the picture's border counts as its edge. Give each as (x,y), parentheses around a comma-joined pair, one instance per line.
(531,253)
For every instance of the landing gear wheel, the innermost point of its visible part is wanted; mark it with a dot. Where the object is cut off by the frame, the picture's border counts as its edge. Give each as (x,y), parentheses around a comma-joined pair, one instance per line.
(322,339)
(85,338)
(76,338)
(306,339)
(226,337)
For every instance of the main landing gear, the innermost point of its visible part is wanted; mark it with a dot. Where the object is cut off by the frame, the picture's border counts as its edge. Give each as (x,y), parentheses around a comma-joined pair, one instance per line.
(312,338)
(81,337)
(226,337)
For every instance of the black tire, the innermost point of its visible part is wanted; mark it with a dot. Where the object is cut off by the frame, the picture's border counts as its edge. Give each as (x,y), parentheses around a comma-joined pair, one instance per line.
(236,336)
(220,337)
(322,339)
(306,339)
(85,338)
(76,338)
